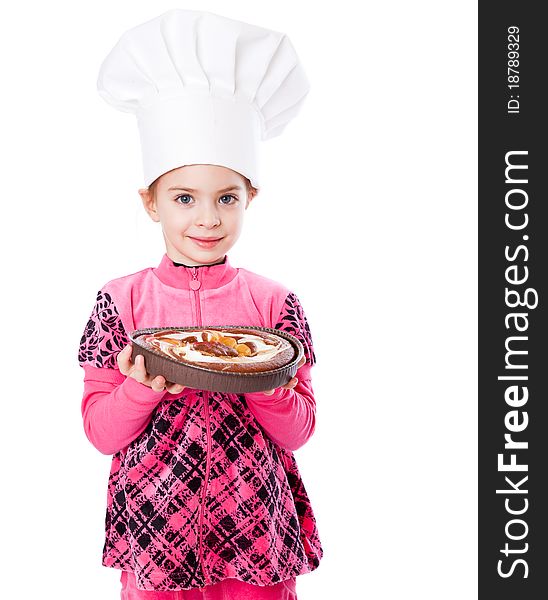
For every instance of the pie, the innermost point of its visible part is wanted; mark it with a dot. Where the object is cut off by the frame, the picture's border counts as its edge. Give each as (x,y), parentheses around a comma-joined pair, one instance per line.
(237,350)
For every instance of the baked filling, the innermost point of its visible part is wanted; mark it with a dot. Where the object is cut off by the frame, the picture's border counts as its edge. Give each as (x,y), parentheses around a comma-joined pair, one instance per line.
(238,349)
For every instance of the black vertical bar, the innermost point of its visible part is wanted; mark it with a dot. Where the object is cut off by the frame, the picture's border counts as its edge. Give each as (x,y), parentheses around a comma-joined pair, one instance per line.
(513,270)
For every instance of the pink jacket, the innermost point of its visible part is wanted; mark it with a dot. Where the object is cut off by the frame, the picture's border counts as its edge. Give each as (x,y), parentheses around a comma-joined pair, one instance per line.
(203,485)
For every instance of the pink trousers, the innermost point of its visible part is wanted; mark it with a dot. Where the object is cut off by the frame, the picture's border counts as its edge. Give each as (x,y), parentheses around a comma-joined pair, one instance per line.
(229,589)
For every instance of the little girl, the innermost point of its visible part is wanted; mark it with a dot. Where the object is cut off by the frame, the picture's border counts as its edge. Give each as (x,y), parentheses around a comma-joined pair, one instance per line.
(205,499)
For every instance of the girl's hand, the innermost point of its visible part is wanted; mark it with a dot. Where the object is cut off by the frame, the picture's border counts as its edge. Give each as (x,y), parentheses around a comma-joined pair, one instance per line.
(136,370)
(292,383)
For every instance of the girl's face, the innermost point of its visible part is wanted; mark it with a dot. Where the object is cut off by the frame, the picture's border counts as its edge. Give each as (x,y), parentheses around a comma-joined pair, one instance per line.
(201,209)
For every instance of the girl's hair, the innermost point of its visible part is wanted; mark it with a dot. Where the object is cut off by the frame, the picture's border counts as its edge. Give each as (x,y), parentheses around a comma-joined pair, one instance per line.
(152,187)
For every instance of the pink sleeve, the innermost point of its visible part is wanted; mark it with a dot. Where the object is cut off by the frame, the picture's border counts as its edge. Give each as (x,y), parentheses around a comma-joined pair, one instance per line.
(115,408)
(289,416)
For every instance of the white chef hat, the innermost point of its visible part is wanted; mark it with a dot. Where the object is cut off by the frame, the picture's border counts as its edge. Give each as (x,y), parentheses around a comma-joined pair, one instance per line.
(205,89)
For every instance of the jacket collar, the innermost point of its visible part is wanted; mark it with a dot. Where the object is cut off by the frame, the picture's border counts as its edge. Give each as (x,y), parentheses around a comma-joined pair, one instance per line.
(209,276)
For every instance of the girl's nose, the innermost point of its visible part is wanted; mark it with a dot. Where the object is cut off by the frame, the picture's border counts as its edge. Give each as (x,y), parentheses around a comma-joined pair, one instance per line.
(208,217)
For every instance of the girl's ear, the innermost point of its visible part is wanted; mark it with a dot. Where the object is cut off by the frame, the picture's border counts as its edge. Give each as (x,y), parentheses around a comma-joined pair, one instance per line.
(251,193)
(149,204)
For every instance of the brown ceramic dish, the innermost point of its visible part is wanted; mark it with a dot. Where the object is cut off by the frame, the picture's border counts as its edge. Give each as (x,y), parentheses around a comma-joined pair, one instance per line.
(229,359)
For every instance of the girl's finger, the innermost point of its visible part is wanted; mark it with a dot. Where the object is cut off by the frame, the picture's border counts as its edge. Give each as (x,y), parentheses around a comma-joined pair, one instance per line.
(158,384)
(142,365)
(291,384)
(139,368)
(122,359)
(175,388)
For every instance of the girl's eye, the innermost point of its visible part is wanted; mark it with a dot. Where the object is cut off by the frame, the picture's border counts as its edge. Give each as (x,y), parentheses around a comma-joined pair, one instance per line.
(230,197)
(184,198)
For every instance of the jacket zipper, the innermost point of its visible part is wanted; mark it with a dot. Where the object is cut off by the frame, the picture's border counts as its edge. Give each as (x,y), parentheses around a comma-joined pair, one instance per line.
(206,479)
(196,288)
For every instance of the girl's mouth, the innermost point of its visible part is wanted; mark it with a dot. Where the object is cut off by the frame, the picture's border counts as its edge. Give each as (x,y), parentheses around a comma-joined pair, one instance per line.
(206,242)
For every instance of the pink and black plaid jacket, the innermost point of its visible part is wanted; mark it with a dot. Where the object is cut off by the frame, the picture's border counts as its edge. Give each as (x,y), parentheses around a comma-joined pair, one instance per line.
(203,485)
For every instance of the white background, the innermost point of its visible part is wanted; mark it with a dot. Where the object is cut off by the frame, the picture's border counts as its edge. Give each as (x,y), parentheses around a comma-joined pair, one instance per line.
(368,203)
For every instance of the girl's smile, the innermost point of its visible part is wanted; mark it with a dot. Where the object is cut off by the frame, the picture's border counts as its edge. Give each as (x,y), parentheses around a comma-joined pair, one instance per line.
(206,242)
